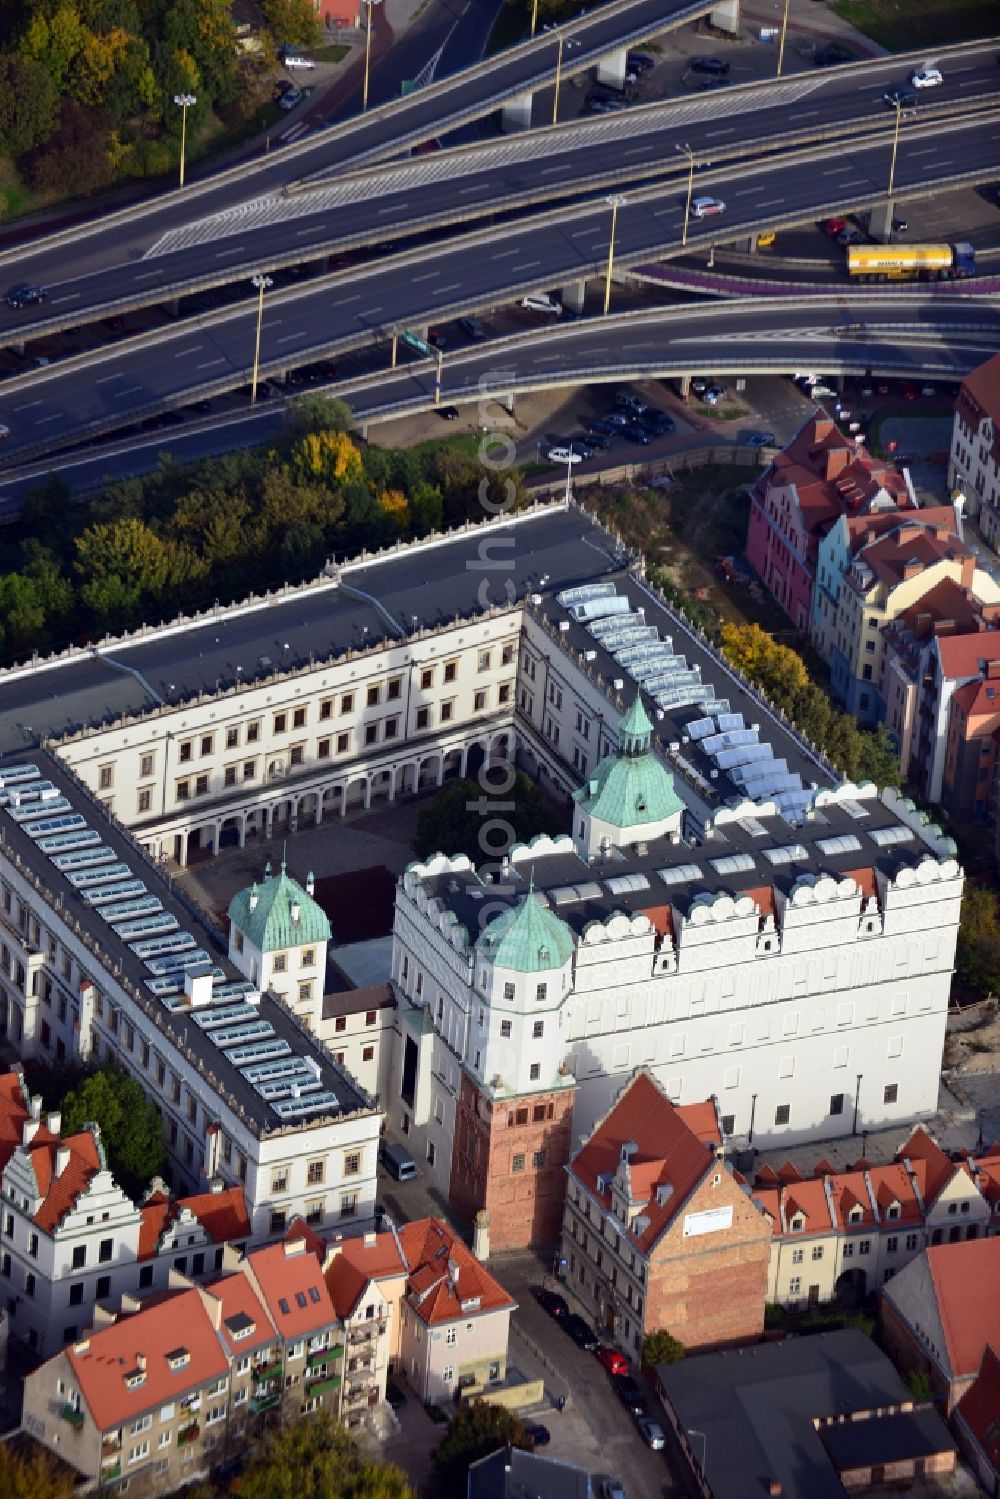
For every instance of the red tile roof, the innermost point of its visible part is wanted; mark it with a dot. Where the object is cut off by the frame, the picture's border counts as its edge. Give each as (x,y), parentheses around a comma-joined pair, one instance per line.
(832,476)
(669,1153)
(432,1290)
(910,542)
(930,1166)
(979,700)
(355,1262)
(299,1229)
(961,655)
(292,1283)
(983,386)
(61,1192)
(13,1113)
(966,1279)
(242,1311)
(979,1407)
(864,528)
(223,1215)
(103,1362)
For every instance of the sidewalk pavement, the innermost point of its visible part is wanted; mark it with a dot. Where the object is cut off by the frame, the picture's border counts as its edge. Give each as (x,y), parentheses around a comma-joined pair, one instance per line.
(807,18)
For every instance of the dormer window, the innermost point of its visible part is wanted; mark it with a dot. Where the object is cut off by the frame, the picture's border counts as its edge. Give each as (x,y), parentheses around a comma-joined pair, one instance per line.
(798,1223)
(855,1215)
(135,1378)
(893,1211)
(178,1358)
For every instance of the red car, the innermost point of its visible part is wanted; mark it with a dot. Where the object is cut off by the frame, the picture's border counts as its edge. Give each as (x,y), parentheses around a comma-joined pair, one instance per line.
(833,227)
(613,1361)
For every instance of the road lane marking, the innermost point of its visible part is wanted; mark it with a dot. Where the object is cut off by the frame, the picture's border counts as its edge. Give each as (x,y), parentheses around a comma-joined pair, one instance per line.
(182,355)
(71,296)
(292,337)
(55,417)
(427,276)
(145,275)
(505,254)
(107,379)
(231,250)
(209,363)
(454,287)
(310,229)
(27,405)
(343,302)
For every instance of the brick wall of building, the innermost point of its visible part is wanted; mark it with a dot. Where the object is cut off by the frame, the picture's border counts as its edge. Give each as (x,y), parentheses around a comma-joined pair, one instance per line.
(709,1289)
(494,1164)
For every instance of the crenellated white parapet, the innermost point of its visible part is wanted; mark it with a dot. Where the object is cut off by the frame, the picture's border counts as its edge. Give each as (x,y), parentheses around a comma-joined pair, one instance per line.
(821,889)
(847,791)
(540,847)
(619,927)
(437,864)
(929,832)
(742,810)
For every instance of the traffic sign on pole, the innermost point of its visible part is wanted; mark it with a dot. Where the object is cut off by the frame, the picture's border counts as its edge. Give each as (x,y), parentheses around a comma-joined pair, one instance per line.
(413,341)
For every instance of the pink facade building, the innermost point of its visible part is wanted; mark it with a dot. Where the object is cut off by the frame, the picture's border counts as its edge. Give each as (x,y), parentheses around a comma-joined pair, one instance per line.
(820,476)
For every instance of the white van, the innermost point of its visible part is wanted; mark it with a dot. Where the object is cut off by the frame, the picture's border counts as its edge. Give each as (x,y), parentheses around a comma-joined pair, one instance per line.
(539,302)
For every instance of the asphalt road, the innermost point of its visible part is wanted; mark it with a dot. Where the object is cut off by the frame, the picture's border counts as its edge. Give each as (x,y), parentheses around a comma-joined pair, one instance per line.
(451,187)
(382,132)
(112,387)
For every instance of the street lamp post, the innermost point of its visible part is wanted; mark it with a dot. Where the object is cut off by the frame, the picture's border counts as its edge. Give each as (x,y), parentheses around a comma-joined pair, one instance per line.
(895,143)
(614,202)
(184,103)
(693,1432)
(261,283)
(561,42)
(687,202)
(368,53)
(437,377)
(781,43)
(570,460)
(534,16)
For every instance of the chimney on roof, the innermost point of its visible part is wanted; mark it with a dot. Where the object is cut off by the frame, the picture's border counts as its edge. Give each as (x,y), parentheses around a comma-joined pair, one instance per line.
(835,460)
(481,1236)
(371,1239)
(774,1488)
(63,1154)
(35,1107)
(140,1362)
(912,568)
(53,1122)
(968,574)
(992,670)
(29,1130)
(454,1270)
(629,1149)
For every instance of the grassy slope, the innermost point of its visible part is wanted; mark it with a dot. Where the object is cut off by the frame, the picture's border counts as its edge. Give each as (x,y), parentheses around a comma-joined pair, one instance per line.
(906,25)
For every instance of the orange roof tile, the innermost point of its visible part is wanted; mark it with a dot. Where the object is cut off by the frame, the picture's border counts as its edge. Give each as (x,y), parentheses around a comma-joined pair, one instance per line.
(864,879)
(669,1153)
(354,1263)
(299,1229)
(703,1119)
(13,1113)
(103,1362)
(962,655)
(931,1167)
(431,1291)
(979,1407)
(61,1192)
(292,1282)
(966,1280)
(223,1215)
(245,1324)
(983,386)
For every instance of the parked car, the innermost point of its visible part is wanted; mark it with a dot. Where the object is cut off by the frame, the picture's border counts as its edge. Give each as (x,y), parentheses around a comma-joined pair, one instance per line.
(581,1332)
(396,1159)
(716,65)
(599,426)
(833,227)
(26,295)
(604,104)
(927,78)
(436,338)
(292,99)
(928,390)
(657,422)
(612,1488)
(832,54)
(759,440)
(640,62)
(616,420)
(629,1393)
(296,60)
(597,442)
(539,1434)
(704,207)
(714,395)
(551,1302)
(850,236)
(613,1360)
(900,226)
(699,385)
(564,455)
(473,327)
(540,302)
(447,413)
(628,401)
(651,1433)
(909,390)
(633,432)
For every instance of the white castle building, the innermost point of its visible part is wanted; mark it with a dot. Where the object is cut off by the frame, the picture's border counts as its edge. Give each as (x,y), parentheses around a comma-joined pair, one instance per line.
(718,908)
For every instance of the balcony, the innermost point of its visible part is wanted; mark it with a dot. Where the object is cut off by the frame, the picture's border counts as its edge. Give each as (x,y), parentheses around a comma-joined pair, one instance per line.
(112,1471)
(270,1370)
(367,1331)
(72,1415)
(189,1434)
(111,1442)
(323,1386)
(260,1403)
(322,1356)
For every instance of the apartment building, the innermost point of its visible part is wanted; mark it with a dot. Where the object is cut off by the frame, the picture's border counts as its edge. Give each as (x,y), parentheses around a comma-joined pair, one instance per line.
(844,1234)
(656,1224)
(71,1238)
(818,477)
(974,459)
(157,1393)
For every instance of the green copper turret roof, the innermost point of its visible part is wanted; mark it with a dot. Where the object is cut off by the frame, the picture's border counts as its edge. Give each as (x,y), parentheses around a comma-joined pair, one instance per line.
(277,914)
(527,939)
(630,788)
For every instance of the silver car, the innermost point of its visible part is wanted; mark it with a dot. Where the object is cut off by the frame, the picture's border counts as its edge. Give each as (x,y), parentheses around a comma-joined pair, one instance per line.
(651,1433)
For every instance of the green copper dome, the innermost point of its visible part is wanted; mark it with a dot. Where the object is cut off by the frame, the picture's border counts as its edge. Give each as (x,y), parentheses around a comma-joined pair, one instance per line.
(527,939)
(630,788)
(278,914)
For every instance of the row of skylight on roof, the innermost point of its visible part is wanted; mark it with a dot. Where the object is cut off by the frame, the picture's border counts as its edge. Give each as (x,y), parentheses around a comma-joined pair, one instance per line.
(230,1019)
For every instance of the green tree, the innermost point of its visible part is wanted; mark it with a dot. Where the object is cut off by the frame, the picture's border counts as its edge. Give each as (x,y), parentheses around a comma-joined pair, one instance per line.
(661,1347)
(426,508)
(920,1385)
(22,615)
(316,1459)
(131,1127)
(33,1476)
(75,161)
(29,100)
(313,413)
(125,566)
(476,1430)
(484,818)
(978,956)
(293,22)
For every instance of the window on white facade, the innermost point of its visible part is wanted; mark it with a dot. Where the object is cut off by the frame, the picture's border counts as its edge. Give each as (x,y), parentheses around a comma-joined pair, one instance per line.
(448,1374)
(451,1337)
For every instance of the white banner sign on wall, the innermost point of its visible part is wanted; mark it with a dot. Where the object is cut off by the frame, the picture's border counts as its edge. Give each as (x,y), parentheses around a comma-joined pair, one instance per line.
(712,1221)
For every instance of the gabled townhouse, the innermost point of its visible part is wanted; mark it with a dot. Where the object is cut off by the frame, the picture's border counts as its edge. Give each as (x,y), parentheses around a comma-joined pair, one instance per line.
(819,476)
(888,575)
(942,1312)
(845,1234)
(953,661)
(837,549)
(656,1224)
(288,1279)
(70,1237)
(947,609)
(420,1301)
(977,1422)
(974,459)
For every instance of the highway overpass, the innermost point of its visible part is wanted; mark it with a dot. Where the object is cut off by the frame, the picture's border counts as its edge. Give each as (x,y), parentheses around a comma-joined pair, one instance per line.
(501,176)
(115,386)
